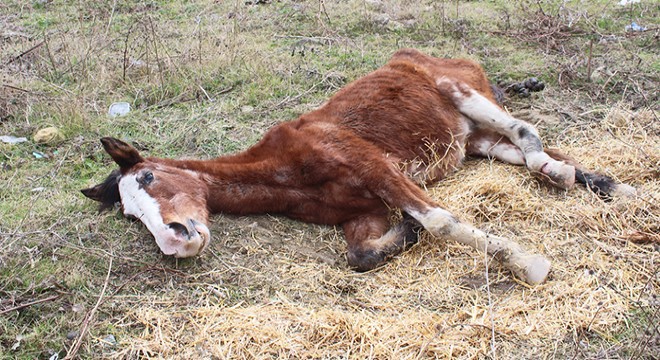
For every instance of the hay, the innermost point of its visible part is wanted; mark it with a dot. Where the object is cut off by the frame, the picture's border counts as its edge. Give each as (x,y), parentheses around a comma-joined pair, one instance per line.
(271,291)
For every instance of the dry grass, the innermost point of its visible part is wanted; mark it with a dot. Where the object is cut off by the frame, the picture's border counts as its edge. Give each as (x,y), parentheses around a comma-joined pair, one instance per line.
(208,78)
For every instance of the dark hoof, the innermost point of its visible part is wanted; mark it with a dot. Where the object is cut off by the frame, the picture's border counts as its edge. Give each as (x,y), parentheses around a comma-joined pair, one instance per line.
(604,186)
(368,259)
(362,261)
(412,229)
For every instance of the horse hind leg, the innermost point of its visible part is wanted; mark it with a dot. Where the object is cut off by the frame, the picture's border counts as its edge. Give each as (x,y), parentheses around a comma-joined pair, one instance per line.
(488,115)
(492,145)
(602,185)
(488,144)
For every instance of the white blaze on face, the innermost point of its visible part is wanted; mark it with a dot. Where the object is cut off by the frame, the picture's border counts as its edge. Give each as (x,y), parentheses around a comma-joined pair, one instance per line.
(137,202)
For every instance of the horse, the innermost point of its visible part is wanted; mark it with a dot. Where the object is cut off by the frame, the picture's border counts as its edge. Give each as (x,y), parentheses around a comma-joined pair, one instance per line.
(351,162)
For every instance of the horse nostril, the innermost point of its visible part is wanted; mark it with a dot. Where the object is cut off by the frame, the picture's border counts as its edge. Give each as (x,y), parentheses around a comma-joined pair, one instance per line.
(179,229)
(191,226)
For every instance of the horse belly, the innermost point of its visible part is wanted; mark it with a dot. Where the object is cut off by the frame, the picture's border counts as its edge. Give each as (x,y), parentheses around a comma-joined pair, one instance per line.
(335,211)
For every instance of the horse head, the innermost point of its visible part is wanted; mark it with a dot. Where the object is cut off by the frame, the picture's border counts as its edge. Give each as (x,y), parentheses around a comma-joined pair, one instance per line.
(168,200)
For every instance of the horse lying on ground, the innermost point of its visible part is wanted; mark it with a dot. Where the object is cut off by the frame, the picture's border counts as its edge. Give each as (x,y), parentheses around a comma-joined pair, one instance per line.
(350,163)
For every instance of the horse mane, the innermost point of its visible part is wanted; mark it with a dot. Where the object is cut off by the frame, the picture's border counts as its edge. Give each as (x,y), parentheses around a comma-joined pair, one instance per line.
(107,192)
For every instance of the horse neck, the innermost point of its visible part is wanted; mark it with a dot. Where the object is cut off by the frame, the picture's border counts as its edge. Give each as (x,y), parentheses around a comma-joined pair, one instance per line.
(238,184)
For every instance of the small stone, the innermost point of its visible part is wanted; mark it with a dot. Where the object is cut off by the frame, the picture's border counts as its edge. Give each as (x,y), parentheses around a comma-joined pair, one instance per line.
(47,135)
(381,19)
(71,335)
(109,341)
(247,109)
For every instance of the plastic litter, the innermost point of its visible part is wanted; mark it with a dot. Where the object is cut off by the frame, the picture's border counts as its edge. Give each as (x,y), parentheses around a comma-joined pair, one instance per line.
(12,139)
(119,109)
(635,27)
(39,155)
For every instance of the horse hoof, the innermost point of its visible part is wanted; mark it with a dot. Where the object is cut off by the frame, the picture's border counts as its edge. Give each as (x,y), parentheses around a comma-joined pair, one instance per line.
(537,270)
(624,191)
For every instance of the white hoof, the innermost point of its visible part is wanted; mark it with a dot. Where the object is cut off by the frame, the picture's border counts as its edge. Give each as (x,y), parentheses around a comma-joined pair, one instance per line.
(537,270)
(625,191)
(532,269)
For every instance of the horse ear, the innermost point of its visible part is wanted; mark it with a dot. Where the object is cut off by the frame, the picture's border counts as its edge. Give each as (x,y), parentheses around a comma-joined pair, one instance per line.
(107,192)
(123,154)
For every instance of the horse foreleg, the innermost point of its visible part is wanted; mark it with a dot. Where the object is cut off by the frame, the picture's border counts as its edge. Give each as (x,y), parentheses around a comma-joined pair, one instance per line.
(375,172)
(371,243)
(532,268)
(398,191)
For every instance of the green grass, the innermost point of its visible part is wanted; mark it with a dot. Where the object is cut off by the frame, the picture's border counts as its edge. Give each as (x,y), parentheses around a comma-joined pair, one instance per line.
(260,65)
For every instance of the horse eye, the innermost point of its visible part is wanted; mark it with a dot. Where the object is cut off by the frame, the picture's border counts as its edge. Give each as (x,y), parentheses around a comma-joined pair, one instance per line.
(147,178)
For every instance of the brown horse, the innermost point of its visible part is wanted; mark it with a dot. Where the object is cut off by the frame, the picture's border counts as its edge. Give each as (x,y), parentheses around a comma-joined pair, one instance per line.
(351,162)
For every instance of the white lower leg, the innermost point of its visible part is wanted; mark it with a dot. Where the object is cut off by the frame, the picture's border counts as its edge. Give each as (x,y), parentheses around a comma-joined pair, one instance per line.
(623,190)
(487,114)
(504,152)
(532,268)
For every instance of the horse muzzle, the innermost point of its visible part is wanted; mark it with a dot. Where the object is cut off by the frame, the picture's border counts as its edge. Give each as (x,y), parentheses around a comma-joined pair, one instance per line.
(183,241)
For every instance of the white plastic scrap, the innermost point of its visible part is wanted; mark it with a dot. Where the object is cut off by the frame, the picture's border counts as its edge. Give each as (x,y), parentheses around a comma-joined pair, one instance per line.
(119,109)
(12,139)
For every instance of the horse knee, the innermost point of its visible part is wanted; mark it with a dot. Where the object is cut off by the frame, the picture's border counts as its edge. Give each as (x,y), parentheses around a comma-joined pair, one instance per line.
(437,221)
